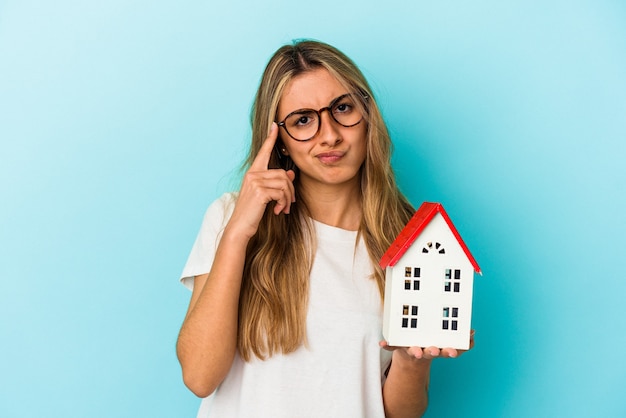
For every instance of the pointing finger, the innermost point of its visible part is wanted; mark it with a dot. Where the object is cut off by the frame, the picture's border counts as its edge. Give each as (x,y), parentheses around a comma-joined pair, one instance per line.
(261,161)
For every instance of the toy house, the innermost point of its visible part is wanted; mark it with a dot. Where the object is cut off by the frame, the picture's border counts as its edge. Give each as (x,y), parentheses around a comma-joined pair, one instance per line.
(429,275)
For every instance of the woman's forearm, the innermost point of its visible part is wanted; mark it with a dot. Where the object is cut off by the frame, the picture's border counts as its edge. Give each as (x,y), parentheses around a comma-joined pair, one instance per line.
(405,392)
(208,337)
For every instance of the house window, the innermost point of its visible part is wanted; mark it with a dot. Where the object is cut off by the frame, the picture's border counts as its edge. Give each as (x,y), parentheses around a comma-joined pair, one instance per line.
(412,316)
(415,273)
(452,282)
(435,248)
(450,321)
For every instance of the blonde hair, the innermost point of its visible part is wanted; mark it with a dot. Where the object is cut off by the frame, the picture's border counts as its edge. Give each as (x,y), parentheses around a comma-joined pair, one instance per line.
(274,295)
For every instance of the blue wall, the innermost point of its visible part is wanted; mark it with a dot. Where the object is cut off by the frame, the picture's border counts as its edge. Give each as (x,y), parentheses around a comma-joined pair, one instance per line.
(121,120)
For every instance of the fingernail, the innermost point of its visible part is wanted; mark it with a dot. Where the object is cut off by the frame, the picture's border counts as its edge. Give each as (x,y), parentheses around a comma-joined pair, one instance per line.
(271,127)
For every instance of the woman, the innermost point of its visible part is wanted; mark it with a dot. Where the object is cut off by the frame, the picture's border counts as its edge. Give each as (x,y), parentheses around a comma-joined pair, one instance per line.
(286,310)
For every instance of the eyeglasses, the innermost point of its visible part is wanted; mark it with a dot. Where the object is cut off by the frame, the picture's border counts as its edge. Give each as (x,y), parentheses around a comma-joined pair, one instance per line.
(304,124)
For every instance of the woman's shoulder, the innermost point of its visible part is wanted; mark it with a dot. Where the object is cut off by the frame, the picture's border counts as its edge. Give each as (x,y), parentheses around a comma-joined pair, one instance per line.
(221,208)
(227,199)
(224,202)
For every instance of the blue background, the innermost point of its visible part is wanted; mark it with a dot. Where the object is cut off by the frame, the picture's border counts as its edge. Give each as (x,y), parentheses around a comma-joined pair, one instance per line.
(120,121)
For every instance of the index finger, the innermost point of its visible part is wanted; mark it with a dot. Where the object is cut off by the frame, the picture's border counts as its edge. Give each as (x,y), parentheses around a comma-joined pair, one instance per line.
(262,159)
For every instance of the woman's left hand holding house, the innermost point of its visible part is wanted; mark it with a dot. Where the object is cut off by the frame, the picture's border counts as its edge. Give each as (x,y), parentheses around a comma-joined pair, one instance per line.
(410,369)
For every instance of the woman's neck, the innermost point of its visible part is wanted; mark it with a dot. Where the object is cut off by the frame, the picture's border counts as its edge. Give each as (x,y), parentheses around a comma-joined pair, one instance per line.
(334,205)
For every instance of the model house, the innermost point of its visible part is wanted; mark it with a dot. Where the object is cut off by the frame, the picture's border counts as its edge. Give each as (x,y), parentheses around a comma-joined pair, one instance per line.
(429,281)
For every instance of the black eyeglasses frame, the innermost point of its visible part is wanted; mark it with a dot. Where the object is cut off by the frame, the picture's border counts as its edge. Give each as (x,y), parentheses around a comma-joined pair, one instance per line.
(363,98)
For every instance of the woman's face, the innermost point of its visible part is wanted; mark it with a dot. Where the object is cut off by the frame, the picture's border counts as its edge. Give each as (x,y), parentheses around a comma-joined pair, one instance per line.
(336,153)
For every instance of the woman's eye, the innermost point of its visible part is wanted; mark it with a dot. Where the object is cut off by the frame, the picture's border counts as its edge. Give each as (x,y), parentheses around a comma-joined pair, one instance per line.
(343,107)
(301,120)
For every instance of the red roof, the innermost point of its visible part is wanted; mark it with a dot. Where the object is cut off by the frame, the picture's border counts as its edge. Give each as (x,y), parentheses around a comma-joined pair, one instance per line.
(414,228)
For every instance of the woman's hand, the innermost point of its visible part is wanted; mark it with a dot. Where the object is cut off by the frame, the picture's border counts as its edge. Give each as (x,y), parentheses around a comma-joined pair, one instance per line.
(405,391)
(261,186)
(427,353)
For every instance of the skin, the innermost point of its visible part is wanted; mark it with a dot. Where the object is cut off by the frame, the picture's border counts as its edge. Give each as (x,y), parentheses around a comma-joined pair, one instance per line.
(329,167)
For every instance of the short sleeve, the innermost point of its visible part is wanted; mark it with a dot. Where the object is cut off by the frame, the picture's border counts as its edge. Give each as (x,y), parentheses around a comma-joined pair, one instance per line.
(202,253)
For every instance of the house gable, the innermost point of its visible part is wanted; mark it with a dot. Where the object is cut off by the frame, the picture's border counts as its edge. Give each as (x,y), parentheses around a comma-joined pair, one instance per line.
(416,225)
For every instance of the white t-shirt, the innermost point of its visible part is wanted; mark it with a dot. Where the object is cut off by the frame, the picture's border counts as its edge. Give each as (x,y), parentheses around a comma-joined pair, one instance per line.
(340,371)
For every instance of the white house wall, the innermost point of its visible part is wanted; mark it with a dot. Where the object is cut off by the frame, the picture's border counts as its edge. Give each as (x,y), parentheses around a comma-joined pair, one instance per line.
(431,297)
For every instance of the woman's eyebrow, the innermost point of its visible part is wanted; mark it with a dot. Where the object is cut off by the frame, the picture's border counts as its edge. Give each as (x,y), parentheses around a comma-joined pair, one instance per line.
(306,109)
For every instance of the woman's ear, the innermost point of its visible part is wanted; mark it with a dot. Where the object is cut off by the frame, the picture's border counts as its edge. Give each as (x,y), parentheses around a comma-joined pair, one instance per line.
(285,161)
(280,145)
(282,153)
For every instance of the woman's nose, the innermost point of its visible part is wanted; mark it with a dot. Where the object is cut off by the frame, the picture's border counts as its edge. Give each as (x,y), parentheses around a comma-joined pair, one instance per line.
(329,129)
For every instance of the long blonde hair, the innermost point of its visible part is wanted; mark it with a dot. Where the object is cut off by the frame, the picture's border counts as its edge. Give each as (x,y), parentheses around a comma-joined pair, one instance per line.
(275,287)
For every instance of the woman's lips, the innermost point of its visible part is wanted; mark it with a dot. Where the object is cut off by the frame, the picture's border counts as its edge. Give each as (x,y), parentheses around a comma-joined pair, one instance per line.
(330,157)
